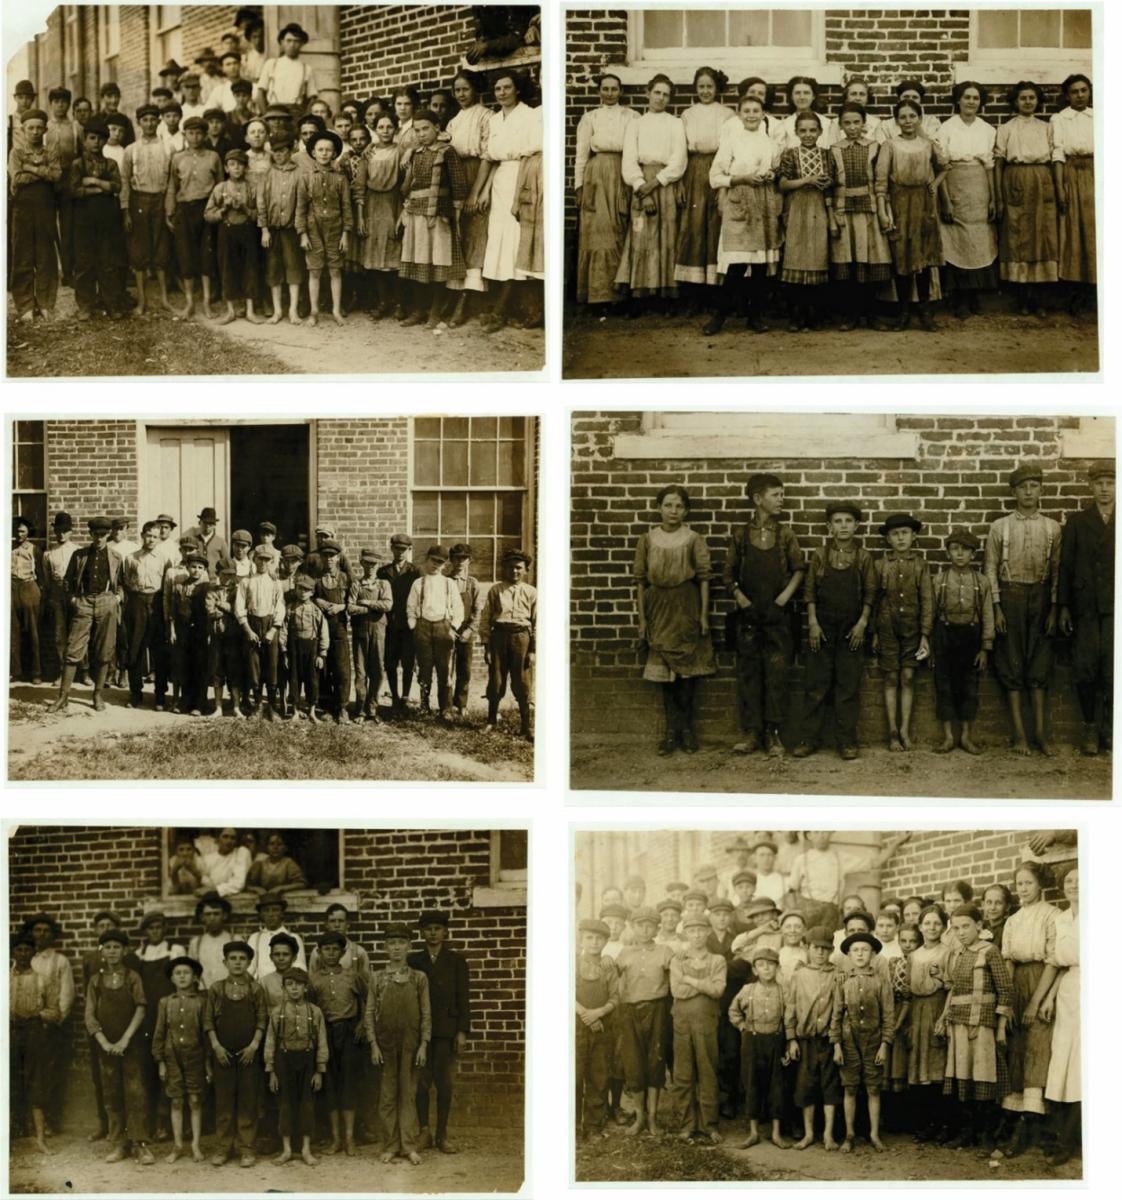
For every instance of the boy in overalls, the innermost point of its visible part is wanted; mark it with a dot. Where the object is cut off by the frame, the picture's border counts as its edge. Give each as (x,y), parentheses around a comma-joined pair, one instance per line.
(331,598)
(296,1058)
(368,601)
(841,585)
(597,999)
(763,571)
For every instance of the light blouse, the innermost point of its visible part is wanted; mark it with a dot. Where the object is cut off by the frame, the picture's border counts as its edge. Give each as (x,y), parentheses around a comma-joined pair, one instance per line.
(654,138)
(744,152)
(959,142)
(598,131)
(906,162)
(928,128)
(921,982)
(790,139)
(1030,934)
(514,133)
(703,124)
(468,131)
(1065,948)
(383,167)
(1073,132)
(668,559)
(1027,140)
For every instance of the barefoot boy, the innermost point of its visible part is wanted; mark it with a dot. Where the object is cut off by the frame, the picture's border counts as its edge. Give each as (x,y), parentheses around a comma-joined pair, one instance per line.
(809,1013)
(194,173)
(296,1057)
(144,180)
(757,1010)
(233,208)
(33,1005)
(324,220)
(597,999)
(180,1050)
(276,218)
(308,643)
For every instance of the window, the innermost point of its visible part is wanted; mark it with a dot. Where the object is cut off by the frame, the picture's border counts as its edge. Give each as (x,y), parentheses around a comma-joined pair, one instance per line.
(509,871)
(72,52)
(1094,438)
(1023,43)
(169,33)
(471,484)
(110,30)
(29,476)
(318,852)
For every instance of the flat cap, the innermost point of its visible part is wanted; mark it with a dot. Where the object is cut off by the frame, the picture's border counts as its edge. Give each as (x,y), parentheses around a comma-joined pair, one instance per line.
(588,925)
(331,938)
(401,539)
(437,552)
(263,551)
(669,903)
(369,556)
(964,538)
(330,546)
(242,536)
(184,960)
(195,556)
(96,125)
(645,913)
(844,506)
(191,78)
(614,910)
(292,551)
(634,881)
(237,154)
(33,114)
(99,524)
(759,906)
(262,526)
(789,914)
(397,929)
(899,521)
(1025,472)
(517,556)
(148,110)
(460,550)
(433,916)
(765,954)
(744,876)
(820,936)
(149,917)
(694,894)
(1103,467)
(214,114)
(721,906)
(114,935)
(194,123)
(274,898)
(696,922)
(766,843)
(705,871)
(237,944)
(297,974)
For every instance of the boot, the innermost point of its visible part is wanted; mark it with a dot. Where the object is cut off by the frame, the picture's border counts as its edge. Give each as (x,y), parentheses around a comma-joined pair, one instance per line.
(715,323)
(1089,743)
(99,687)
(68,673)
(1019,1142)
(524,716)
(926,318)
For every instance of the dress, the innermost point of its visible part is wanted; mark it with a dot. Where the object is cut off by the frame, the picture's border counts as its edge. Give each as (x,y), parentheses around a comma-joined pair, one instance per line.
(513,134)
(699,227)
(1027,943)
(604,200)
(861,252)
(1073,137)
(671,566)
(468,131)
(381,251)
(750,232)
(806,232)
(928,980)
(965,152)
(1065,1081)
(529,208)
(981,990)
(784,132)
(904,172)
(1029,244)
(896,1069)
(435,186)
(353,166)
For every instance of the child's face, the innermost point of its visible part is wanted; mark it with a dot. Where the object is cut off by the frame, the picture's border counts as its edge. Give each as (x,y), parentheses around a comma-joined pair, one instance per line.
(303,593)
(887,927)
(271,914)
(231,68)
(765,859)
(861,954)
(961,556)
(255,135)
(909,939)
(323,152)
(116,132)
(235,168)
(336,922)
(197,571)
(908,120)
(110,102)
(183,978)
(615,927)
(852,125)
(764,919)
(23,955)
(281,956)
(818,956)
(93,143)
(385,130)
(911,912)
(843,527)
(931,928)
(901,538)
(771,503)
(194,137)
(672,509)
(645,931)
(460,564)
(369,570)
(359,138)
(171,120)
(149,123)
(290,45)
(343,125)
(330,562)
(668,920)
(693,908)
(237,963)
(100,926)
(1103,490)
(745,890)
(112,952)
(191,92)
(426,132)
(1027,493)
(993,905)
(952,899)
(697,936)
(260,564)
(214,128)
(281,155)
(751,113)
(515,570)
(154,931)
(965,928)
(34,131)
(807,132)
(396,949)
(1079,95)
(765,969)
(294,989)
(590,943)
(794,930)
(856,924)
(331,952)
(634,895)
(320,109)
(821,841)
(721,919)
(706,89)
(59,109)
(432,566)
(403,107)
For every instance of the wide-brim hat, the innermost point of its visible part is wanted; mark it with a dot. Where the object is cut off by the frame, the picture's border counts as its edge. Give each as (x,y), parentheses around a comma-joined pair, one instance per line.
(1024,472)
(844,506)
(739,845)
(964,538)
(861,936)
(433,916)
(212,900)
(190,79)
(22,939)
(899,521)
(277,112)
(268,898)
(588,925)
(208,514)
(237,944)
(171,67)
(296,31)
(322,135)
(206,55)
(184,960)
(43,918)
(645,913)
(1101,468)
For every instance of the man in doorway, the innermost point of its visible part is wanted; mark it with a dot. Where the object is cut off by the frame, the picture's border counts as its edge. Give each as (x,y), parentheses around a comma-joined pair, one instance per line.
(208,539)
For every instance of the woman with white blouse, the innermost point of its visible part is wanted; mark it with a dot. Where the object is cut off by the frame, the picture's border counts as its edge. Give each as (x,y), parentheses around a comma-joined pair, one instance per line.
(964,148)
(1073,165)
(468,131)
(1064,1089)
(802,95)
(654,159)
(601,195)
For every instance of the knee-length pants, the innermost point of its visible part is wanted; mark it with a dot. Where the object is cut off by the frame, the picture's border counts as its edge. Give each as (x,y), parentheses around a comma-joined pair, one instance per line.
(1023,655)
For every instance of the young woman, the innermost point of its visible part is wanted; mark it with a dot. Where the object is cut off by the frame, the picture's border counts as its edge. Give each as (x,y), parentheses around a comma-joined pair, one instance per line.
(381,249)
(964,147)
(765,94)
(1026,198)
(896,1069)
(442,104)
(601,194)
(372,109)
(928,980)
(695,263)
(468,132)
(1073,165)
(1064,1089)
(743,173)
(806,180)
(914,92)
(802,96)
(672,572)
(404,100)
(857,92)
(997,907)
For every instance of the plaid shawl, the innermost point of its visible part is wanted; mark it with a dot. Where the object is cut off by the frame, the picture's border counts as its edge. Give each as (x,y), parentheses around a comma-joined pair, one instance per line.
(435,182)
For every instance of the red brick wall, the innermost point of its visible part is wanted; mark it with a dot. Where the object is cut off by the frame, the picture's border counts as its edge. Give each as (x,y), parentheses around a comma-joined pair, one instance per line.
(203,26)
(134,71)
(92,470)
(74,872)
(958,477)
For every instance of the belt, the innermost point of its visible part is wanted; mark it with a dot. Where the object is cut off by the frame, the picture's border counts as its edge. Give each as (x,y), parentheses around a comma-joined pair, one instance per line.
(510,627)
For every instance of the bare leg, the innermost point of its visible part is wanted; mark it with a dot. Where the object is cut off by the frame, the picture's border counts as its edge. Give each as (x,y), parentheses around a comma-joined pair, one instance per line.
(176,1131)
(251,314)
(349,1132)
(1020,739)
(206,296)
(907,699)
(777,1139)
(162,280)
(753,1135)
(195,1104)
(286,1150)
(294,304)
(639,1124)
(830,1112)
(849,1104)
(189,295)
(947,744)
(874,1119)
(337,297)
(230,315)
(335,1143)
(140,297)
(652,1111)
(808,1127)
(967,742)
(1038,695)
(313,296)
(306,1151)
(894,742)
(39,1120)
(276,290)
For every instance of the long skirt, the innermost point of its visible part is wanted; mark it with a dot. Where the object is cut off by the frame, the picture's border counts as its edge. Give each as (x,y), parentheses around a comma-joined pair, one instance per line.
(1030,1049)
(503,230)
(1029,244)
(529,262)
(976,1066)
(381,250)
(1077,224)
(699,226)
(915,242)
(970,239)
(927,1056)
(1065,1079)
(604,204)
(677,645)
(647,259)
(473,235)
(430,255)
(806,238)
(750,230)
(862,251)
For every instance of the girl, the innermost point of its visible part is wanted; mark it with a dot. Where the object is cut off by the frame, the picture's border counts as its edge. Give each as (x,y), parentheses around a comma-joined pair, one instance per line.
(1026,198)
(964,147)
(353,165)
(468,133)
(1028,945)
(695,262)
(915,93)
(743,172)
(1073,165)
(802,97)
(381,250)
(440,102)
(997,906)
(601,194)
(765,94)
(404,101)
(928,978)
(906,185)
(857,92)
(896,1069)
(672,573)
(913,906)
(860,256)
(275,871)
(372,109)
(1064,1089)
(806,179)
(654,159)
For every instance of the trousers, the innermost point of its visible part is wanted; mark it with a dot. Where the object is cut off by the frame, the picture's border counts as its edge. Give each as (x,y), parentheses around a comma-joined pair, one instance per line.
(956,679)
(591,1077)
(434,653)
(764,648)
(295,1069)
(461,661)
(97,266)
(510,646)
(695,1063)
(438,1072)
(122,1089)
(397,1095)
(25,625)
(235,1103)
(93,627)
(34,265)
(836,669)
(401,651)
(369,639)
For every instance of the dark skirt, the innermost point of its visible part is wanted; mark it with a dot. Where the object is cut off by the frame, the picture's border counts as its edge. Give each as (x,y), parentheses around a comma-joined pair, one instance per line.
(604,206)
(699,225)
(1029,245)
(1029,1047)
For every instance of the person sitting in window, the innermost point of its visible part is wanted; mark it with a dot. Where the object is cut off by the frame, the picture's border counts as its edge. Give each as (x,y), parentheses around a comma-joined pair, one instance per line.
(224,863)
(276,872)
(183,870)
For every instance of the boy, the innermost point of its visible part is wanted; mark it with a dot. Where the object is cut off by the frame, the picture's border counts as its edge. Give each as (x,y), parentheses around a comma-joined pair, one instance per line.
(33,1008)
(64,137)
(763,570)
(335,921)
(471,596)
(669,914)
(54,968)
(331,592)
(743,889)
(180,1049)
(193,175)
(341,994)
(239,561)
(296,1058)
(230,65)
(212,912)
(1086,600)
(267,539)
(597,998)
(721,939)
(888,932)
(115,1009)
(231,654)
(902,628)
(109,99)
(368,601)
(116,144)
(234,1020)
(401,572)
(276,217)
(170,133)
(398,1023)
(34,170)
(861,1030)
(817,881)
(1023,567)
(216,138)
(27,575)
(185,636)
(183,872)
(259,610)
(192,102)
(153,953)
(56,611)
(840,588)
(271,908)
(769,881)
(287,80)
(308,643)
(232,206)
(962,639)
(757,1011)
(324,221)
(762,917)
(144,181)
(282,954)
(433,610)
(239,117)
(507,631)
(807,1018)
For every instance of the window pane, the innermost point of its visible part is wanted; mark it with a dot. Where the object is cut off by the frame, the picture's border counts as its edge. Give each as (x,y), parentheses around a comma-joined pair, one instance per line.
(1077,29)
(483,565)
(425,508)
(30,431)
(512,427)
(997,29)
(512,464)
(662,30)
(426,464)
(706,27)
(453,516)
(481,514)
(513,850)
(33,509)
(455,469)
(426,427)
(483,463)
(790,27)
(29,467)
(455,427)
(1040,27)
(510,521)
(484,427)
(748,28)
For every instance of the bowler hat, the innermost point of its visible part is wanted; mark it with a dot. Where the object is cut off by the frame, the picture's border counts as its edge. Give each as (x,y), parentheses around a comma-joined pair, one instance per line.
(99,524)
(271,898)
(295,30)
(208,514)
(432,916)
(820,936)
(1103,467)
(205,55)
(964,538)
(285,939)
(645,913)
(63,522)
(844,506)
(184,960)
(1024,472)
(324,135)
(397,929)
(237,944)
(899,521)
(766,954)
(401,539)
(861,936)
(25,88)
(591,926)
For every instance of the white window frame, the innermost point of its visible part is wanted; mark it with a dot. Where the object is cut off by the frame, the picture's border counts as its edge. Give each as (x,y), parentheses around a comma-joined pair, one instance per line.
(41,537)
(1009,63)
(1093,439)
(507,889)
(769,61)
(109,21)
(159,35)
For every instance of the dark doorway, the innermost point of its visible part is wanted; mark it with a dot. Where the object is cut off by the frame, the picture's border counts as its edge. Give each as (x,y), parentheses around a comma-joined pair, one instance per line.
(269,480)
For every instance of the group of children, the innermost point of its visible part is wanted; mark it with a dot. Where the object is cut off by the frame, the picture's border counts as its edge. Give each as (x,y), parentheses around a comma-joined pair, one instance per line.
(1039,580)
(957,1016)
(717,206)
(284,632)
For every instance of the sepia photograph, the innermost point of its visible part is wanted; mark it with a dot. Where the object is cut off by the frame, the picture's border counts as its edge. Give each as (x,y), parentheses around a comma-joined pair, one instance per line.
(264,599)
(894,605)
(343,1010)
(319,189)
(830,190)
(844,1006)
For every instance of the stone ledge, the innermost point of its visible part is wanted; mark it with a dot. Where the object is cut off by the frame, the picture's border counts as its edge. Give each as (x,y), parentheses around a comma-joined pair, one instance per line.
(526,56)
(736,68)
(499,897)
(245,903)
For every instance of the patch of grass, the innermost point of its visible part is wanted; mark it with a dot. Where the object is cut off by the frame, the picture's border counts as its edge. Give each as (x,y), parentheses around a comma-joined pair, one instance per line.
(625,1159)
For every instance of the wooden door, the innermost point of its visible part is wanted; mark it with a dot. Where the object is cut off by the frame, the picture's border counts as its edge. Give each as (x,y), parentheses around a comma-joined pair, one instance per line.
(184,471)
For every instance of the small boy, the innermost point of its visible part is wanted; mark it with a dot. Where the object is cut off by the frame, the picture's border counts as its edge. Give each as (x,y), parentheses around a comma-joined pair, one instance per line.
(471,596)
(762,918)
(507,630)
(861,1030)
(234,1020)
(259,609)
(807,1018)
(434,610)
(183,870)
(109,100)
(33,1004)
(283,948)
(240,561)
(743,890)
(324,220)
(95,184)
(401,572)
(962,639)
(669,914)
(308,643)
(267,539)
(34,171)
(232,641)
(232,206)
(144,181)
(332,588)
(763,571)
(757,1011)
(216,138)
(179,1047)
(902,627)
(597,998)
(336,920)
(368,601)
(296,1058)
(194,173)
(398,1022)
(115,144)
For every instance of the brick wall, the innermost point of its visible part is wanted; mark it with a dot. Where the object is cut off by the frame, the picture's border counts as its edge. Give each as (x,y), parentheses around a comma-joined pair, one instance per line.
(958,477)
(203,26)
(135,71)
(74,872)
(92,470)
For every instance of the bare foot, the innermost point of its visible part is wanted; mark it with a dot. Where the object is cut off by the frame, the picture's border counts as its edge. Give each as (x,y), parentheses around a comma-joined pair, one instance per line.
(254,319)
(686,1135)
(829,1143)
(188,312)
(177,1152)
(635,1129)
(275,319)
(877,1144)
(1022,749)
(905,739)
(313,318)
(802,1143)
(414,1158)
(337,317)
(779,1141)
(333,1148)
(969,745)
(349,1148)
(165,304)
(894,742)
(1046,748)
(205,310)
(753,1140)
(309,1158)
(713,1137)
(294,319)
(283,1157)
(227,318)
(197,1154)
(947,744)
(42,1146)
(847,1146)
(388,1156)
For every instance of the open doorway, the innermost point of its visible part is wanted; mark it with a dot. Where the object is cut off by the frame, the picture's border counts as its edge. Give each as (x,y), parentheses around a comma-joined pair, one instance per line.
(269,480)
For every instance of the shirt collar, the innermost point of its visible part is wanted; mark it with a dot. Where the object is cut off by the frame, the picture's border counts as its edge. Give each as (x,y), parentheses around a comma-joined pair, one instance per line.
(1033,516)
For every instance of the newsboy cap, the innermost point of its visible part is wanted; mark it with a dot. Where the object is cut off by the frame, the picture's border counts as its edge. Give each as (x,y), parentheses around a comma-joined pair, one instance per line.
(721,906)
(331,938)
(844,506)
(114,935)
(437,552)
(964,538)
(184,960)
(1101,468)
(33,114)
(262,551)
(744,876)
(196,556)
(241,536)
(765,954)
(668,903)
(397,929)
(292,551)
(330,546)
(900,521)
(147,110)
(761,905)
(1024,472)
(696,922)
(588,925)
(369,556)
(518,556)
(820,936)
(237,944)
(645,913)
(194,123)
(297,974)
(614,910)
(432,916)
(401,539)
(694,894)
(99,525)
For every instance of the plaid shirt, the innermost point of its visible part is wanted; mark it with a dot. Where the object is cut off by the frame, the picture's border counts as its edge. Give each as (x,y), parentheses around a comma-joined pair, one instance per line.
(435,182)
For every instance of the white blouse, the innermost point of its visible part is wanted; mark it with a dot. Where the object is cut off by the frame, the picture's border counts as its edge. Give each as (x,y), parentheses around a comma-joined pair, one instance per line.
(742,152)
(959,142)
(514,133)
(703,124)
(1073,132)
(1030,934)
(654,138)
(790,139)
(600,131)
(1026,140)
(469,130)
(928,127)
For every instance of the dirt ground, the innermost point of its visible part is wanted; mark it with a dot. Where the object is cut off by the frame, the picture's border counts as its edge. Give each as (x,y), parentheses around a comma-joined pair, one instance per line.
(605,764)
(674,347)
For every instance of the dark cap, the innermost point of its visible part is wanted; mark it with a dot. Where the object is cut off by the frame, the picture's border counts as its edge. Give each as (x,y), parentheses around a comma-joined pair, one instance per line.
(297,974)
(173,107)
(614,910)
(330,546)
(292,551)
(117,118)
(272,898)
(401,539)
(696,922)
(668,903)
(1025,472)
(241,536)
(765,954)
(241,86)
(114,935)
(208,514)
(860,936)
(820,936)
(99,525)
(33,114)
(295,30)
(844,506)
(119,523)
(437,552)
(331,938)
(237,944)
(97,126)
(720,906)
(862,915)
(645,913)
(304,581)
(63,522)
(171,67)
(184,960)
(964,538)
(759,906)
(744,876)
(162,92)
(517,556)
(194,123)
(190,79)
(899,521)
(1098,470)
(433,916)
(25,939)
(214,114)
(148,110)
(369,556)
(25,88)
(195,557)
(397,929)
(149,917)
(460,550)
(42,918)
(588,925)
(694,894)
(262,526)
(206,55)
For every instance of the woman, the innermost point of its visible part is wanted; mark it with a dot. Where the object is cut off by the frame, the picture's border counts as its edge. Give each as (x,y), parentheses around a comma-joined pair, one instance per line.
(964,147)
(672,572)
(224,863)
(857,92)
(1026,198)
(802,96)
(404,100)
(914,92)
(277,872)
(699,229)
(1073,165)
(601,195)
(654,159)
(468,132)
(997,907)
(442,104)
(1064,1089)
(381,249)
(928,980)
(514,133)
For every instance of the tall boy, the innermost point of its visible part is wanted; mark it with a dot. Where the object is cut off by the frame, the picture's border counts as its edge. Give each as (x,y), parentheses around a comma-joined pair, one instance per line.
(433,610)
(331,595)
(508,631)
(401,572)
(185,635)
(296,1060)
(34,170)
(817,881)
(56,610)
(271,908)
(33,1007)
(64,137)
(471,596)
(324,221)
(259,610)
(192,177)
(1023,567)
(213,913)
(763,570)
(27,575)
(179,1047)
(807,1020)
(369,600)
(335,920)
(54,967)
(597,998)
(144,182)
(341,994)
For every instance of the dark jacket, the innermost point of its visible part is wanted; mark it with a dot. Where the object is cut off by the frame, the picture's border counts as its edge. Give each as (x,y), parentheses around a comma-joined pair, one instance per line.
(1087,564)
(77,566)
(400,584)
(448,991)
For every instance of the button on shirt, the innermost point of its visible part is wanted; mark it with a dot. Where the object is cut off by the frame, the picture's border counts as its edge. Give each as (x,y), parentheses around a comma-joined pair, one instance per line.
(643,972)
(287,80)
(307,623)
(276,200)
(179,1023)
(810,1001)
(692,975)
(434,598)
(96,573)
(905,587)
(295,1026)
(23,562)
(323,195)
(1023,549)
(509,604)
(337,990)
(259,596)
(147,162)
(192,176)
(144,571)
(863,1002)
(26,994)
(758,1007)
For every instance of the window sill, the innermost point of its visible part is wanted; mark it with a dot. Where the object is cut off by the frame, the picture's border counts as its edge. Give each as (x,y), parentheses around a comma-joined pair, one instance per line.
(802,443)
(681,72)
(499,896)
(1000,70)
(245,903)
(526,56)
